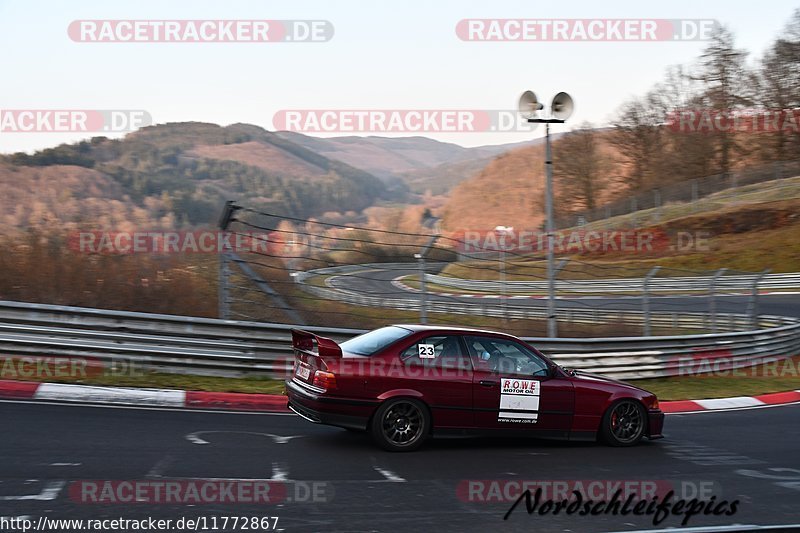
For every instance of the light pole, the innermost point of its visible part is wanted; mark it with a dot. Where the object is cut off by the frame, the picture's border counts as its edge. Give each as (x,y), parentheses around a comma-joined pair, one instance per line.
(561,109)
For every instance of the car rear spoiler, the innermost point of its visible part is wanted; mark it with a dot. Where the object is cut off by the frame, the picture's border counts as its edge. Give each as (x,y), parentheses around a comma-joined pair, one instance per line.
(310,344)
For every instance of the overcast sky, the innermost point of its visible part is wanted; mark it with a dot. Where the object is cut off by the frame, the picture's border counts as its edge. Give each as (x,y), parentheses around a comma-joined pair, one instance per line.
(384,55)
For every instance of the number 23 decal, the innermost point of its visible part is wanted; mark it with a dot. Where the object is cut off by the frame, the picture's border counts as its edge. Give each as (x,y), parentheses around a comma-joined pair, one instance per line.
(426,351)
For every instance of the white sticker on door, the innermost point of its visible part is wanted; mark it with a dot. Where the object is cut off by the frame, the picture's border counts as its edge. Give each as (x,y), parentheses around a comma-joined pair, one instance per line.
(519,400)
(426,351)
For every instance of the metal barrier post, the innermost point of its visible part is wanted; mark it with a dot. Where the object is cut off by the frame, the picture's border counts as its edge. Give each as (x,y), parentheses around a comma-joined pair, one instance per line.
(657,202)
(423,296)
(503,298)
(646,298)
(752,305)
(224,279)
(712,304)
(224,264)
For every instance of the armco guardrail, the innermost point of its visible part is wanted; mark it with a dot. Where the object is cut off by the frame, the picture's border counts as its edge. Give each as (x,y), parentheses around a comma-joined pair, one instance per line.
(225,347)
(626,285)
(300,277)
(173,343)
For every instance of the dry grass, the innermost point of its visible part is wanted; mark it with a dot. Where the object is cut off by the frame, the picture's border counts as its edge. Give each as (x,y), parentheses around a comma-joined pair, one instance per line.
(750,237)
(773,377)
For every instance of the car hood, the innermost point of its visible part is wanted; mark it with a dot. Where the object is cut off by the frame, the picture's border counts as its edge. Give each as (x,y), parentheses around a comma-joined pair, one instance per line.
(599,378)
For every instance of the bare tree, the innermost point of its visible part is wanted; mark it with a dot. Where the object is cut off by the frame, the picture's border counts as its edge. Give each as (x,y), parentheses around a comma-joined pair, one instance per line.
(778,84)
(580,168)
(637,136)
(727,87)
(681,154)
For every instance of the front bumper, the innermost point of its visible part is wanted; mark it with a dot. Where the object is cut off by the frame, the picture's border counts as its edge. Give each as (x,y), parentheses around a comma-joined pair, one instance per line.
(655,424)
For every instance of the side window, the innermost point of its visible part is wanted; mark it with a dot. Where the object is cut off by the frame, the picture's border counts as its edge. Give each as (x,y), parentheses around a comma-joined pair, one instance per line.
(505,357)
(440,351)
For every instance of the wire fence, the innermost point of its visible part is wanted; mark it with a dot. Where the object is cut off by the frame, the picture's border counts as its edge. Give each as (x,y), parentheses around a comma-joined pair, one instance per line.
(271,282)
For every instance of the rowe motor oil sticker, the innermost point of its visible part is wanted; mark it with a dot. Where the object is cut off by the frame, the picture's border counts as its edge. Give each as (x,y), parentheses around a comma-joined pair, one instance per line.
(519,400)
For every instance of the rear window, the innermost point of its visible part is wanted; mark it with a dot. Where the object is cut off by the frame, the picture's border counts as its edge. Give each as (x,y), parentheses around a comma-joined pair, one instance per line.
(374,341)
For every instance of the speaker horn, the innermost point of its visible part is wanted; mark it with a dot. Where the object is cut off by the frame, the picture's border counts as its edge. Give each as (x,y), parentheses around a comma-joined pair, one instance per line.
(529,105)
(562,106)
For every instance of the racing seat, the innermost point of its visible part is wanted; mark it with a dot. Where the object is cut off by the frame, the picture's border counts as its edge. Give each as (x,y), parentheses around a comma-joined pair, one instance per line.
(451,353)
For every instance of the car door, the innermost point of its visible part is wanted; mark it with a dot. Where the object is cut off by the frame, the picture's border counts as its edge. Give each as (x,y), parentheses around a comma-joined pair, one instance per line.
(514,388)
(438,366)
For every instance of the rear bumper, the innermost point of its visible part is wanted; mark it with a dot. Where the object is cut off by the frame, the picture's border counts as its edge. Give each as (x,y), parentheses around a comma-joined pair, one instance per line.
(332,411)
(655,425)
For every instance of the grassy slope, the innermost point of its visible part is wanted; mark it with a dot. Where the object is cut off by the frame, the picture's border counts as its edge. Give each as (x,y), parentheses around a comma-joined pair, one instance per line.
(751,229)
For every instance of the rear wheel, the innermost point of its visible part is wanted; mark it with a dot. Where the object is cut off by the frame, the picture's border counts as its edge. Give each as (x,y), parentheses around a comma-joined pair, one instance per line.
(400,425)
(623,424)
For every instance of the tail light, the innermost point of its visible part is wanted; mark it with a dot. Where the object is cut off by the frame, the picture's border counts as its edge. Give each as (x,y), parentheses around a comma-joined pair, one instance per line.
(324,380)
(651,403)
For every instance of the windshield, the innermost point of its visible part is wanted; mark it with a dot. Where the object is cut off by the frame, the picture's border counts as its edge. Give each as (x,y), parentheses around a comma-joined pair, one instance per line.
(374,341)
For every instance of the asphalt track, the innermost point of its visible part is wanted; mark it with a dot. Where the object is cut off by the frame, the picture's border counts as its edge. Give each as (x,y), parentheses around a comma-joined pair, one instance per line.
(750,455)
(378,282)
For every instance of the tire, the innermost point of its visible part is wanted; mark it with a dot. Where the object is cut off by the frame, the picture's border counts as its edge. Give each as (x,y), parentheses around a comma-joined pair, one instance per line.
(624,423)
(401,425)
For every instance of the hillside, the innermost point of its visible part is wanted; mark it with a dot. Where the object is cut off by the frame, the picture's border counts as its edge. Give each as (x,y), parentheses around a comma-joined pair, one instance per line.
(442,179)
(178,174)
(748,229)
(420,163)
(385,157)
(509,190)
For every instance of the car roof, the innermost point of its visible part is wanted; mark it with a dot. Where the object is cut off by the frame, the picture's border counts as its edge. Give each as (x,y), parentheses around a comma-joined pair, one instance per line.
(460,329)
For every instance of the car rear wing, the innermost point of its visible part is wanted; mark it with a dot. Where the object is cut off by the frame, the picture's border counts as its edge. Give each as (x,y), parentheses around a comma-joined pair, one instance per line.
(314,345)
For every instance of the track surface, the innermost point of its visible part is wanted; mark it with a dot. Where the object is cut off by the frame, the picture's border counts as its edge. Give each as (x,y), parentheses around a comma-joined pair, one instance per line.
(750,455)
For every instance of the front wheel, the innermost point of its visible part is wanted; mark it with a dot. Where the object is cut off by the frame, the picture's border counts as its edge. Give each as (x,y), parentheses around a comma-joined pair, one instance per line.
(400,425)
(623,424)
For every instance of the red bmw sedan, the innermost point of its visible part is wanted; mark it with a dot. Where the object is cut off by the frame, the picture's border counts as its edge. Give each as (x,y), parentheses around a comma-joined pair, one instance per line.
(404,383)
